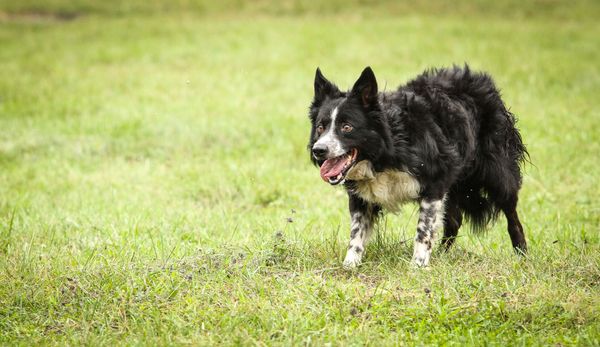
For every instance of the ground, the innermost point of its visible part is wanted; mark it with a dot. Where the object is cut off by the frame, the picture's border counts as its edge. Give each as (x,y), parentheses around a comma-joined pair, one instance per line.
(155,186)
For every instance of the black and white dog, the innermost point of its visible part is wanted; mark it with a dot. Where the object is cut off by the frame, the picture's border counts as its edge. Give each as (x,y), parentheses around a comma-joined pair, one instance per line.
(445,140)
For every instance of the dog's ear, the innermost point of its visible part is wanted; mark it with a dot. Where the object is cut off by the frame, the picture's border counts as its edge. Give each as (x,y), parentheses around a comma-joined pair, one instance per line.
(365,88)
(323,87)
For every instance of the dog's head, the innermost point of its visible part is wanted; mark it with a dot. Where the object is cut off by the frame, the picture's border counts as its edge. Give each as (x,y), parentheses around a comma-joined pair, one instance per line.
(347,127)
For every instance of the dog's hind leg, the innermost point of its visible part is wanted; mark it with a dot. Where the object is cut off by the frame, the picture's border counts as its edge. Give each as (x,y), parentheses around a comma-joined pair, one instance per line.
(431,218)
(452,222)
(515,229)
(363,216)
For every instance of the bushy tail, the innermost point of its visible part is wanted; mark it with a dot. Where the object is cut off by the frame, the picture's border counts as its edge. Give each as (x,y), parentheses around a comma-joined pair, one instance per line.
(478,209)
(497,177)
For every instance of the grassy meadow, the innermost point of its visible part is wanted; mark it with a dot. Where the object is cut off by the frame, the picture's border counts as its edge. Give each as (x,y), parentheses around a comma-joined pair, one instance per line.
(155,187)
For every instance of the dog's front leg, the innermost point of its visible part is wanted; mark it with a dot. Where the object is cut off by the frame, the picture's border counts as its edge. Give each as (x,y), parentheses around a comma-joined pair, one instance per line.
(431,218)
(363,216)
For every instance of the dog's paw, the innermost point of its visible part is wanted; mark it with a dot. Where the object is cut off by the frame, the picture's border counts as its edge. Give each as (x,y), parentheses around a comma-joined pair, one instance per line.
(421,255)
(352,260)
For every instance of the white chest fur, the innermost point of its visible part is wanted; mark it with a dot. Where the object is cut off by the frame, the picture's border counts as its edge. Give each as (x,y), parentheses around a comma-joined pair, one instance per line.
(389,188)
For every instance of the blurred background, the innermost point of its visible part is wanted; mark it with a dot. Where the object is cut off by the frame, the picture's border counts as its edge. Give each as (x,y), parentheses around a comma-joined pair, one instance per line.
(144,130)
(120,113)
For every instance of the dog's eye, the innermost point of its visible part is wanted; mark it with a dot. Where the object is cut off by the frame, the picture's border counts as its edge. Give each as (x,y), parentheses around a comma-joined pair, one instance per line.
(320,129)
(346,128)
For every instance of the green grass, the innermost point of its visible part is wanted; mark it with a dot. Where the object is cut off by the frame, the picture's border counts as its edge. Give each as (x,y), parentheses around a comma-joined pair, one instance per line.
(151,154)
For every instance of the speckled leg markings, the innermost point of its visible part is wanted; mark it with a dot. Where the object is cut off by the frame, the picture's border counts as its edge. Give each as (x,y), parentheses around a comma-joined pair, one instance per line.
(360,231)
(431,218)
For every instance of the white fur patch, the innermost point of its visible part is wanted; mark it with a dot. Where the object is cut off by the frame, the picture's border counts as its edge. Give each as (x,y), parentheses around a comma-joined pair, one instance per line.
(389,188)
(421,254)
(352,259)
(438,206)
(330,139)
(431,218)
(360,227)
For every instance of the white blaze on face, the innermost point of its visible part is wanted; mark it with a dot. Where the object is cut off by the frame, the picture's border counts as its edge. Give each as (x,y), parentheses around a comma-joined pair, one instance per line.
(330,139)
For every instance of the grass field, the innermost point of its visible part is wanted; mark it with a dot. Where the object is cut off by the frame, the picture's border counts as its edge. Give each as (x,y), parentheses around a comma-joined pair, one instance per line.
(155,186)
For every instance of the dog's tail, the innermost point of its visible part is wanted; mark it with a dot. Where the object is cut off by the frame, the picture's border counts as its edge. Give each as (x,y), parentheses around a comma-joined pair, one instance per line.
(478,209)
(496,178)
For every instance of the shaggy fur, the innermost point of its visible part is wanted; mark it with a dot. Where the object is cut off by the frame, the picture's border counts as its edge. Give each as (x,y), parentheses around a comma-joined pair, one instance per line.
(445,139)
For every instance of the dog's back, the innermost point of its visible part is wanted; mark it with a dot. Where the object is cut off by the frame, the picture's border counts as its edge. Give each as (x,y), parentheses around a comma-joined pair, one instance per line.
(469,110)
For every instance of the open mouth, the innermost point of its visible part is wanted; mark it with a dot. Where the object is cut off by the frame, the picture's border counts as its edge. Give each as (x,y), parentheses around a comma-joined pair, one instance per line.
(334,170)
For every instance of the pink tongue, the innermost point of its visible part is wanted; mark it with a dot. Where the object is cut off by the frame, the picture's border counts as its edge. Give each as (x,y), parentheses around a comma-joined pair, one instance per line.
(332,167)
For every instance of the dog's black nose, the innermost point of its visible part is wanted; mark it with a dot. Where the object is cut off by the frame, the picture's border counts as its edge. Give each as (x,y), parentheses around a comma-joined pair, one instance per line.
(319,152)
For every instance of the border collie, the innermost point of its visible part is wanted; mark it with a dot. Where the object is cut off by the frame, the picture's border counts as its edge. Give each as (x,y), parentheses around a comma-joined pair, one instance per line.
(445,140)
